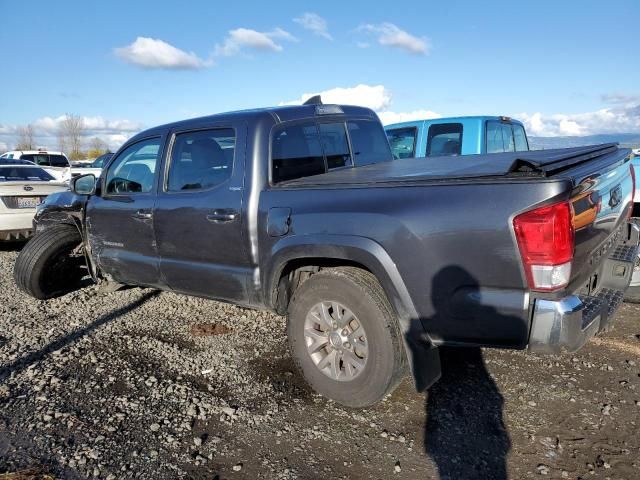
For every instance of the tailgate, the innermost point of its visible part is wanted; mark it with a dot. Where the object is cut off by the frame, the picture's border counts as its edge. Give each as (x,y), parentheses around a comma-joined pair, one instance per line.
(602,202)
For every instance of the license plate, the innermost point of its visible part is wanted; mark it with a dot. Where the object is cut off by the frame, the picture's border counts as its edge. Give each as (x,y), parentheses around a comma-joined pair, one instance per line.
(28,202)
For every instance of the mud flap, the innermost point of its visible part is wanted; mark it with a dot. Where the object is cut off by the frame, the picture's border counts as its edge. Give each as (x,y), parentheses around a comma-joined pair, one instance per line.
(424,360)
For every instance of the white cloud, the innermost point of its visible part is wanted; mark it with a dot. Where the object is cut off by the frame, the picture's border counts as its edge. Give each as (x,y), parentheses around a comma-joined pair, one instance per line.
(606,120)
(376,97)
(113,132)
(153,53)
(388,117)
(621,99)
(3,147)
(314,23)
(245,37)
(391,35)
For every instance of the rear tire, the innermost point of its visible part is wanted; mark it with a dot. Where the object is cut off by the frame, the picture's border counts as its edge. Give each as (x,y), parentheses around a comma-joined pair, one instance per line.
(372,335)
(45,268)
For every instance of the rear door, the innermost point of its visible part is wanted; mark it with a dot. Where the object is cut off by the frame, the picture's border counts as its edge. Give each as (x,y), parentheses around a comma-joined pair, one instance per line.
(198,214)
(120,219)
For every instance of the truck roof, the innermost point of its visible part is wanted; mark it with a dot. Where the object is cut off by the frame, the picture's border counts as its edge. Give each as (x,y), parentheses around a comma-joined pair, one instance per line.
(277,115)
(463,119)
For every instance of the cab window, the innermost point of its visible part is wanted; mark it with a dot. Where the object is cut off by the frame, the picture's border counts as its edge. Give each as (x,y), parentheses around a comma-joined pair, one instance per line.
(37,158)
(296,152)
(402,142)
(335,145)
(522,145)
(201,160)
(58,161)
(444,139)
(134,169)
(369,142)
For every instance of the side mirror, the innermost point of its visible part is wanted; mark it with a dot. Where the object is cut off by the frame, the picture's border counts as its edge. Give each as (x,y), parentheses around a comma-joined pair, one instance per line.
(84,184)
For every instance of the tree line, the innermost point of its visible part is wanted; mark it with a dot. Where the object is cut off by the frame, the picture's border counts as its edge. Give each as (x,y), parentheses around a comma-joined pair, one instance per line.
(70,135)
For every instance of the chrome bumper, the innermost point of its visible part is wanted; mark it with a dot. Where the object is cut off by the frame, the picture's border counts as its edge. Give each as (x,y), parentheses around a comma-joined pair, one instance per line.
(565,325)
(560,325)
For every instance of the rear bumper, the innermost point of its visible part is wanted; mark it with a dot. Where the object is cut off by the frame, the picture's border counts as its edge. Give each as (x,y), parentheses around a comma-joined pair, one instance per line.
(565,325)
(16,226)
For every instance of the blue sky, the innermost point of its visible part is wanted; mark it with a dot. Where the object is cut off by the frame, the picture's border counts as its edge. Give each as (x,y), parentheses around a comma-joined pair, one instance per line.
(563,67)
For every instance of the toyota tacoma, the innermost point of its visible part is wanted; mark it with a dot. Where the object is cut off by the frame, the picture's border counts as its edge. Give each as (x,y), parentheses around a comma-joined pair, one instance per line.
(302,211)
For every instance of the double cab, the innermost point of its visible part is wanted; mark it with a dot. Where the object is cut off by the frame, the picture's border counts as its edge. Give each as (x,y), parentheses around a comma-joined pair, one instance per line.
(303,211)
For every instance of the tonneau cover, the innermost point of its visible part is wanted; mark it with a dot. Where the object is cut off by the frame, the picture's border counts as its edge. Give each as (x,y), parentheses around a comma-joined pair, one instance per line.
(531,163)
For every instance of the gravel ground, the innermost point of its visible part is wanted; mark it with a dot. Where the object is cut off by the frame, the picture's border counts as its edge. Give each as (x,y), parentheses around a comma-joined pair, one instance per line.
(142,384)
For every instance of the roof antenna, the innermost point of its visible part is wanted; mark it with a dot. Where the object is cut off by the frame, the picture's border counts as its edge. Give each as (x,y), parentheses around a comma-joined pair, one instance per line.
(315,100)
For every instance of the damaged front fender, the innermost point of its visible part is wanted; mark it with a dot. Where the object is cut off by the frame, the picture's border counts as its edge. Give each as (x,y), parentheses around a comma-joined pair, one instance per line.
(66,208)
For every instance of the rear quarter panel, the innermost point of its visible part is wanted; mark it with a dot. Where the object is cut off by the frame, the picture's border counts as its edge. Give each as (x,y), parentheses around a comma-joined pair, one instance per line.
(452,244)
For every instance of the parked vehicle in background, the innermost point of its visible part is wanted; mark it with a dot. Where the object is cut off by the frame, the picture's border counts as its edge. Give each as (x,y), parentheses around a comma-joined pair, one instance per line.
(101,160)
(95,166)
(456,136)
(56,163)
(301,210)
(22,189)
(98,164)
(12,161)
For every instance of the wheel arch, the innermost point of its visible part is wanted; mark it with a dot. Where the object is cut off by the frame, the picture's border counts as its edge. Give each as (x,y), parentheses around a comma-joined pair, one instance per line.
(337,250)
(423,357)
(72,218)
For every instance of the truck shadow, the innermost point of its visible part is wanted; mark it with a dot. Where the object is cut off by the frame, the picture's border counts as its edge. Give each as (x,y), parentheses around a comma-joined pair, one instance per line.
(465,434)
(26,361)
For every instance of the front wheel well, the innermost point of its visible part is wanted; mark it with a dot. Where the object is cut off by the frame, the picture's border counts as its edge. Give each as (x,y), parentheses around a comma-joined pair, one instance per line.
(295,272)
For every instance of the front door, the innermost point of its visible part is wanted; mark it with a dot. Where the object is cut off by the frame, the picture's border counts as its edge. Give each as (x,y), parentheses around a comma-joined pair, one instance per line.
(197,217)
(120,217)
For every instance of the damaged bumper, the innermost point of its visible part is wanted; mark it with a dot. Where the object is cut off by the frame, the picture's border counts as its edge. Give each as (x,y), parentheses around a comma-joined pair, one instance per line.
(565,325)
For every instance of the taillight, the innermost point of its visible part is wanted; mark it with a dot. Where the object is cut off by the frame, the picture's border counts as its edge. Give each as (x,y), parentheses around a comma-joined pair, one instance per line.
(546,240)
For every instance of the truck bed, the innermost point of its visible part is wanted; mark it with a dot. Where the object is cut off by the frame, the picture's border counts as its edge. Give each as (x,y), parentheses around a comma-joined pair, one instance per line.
(540,163)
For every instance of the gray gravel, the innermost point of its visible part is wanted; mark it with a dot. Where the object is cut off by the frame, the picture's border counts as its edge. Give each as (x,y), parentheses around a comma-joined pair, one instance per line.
(121,385)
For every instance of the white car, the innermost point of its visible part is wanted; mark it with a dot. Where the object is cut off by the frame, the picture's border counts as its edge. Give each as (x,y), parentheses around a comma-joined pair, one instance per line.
(56,163)
(22,188)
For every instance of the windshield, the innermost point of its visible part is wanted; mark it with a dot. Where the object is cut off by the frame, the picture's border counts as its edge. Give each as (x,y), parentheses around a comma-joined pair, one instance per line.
(21,174)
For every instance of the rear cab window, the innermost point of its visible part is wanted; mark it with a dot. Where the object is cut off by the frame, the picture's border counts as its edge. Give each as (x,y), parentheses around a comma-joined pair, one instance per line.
(403,142)
(522,144)
(504,136)
(37,158)
(444,139)
(58,161)
(311,148)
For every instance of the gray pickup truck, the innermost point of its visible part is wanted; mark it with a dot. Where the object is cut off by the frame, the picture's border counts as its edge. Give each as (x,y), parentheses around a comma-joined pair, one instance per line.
(301,210)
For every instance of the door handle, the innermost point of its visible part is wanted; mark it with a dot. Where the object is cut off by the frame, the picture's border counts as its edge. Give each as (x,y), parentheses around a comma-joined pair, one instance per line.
(222,216)
(143,215)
